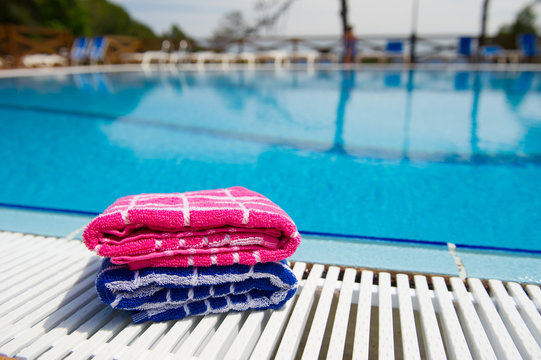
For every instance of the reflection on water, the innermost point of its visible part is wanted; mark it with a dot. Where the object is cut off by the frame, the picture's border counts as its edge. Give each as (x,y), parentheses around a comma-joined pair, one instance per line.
(399,115)
(425,155)
(346,86)
(403,115)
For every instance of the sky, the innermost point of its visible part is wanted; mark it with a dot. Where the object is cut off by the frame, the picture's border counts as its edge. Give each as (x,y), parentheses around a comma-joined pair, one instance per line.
(199,18)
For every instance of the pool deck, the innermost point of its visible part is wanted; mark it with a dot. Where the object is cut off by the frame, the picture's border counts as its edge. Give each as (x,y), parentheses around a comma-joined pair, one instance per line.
(370,254)
(50,310)
(7,73)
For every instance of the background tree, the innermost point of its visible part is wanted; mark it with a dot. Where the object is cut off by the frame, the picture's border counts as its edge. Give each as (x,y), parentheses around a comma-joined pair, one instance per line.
(233,25)
(175,32)
(484,15)
(109,18)
(344,15)
(58,14)
(524,24)
(81,17)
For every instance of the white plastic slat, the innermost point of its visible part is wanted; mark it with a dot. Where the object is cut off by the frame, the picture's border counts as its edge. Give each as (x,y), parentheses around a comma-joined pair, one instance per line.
(527,309)
(253,326)
(24,337)
(471,324)
(431,332)
(43,280)
(108,350)
(297,321)
(410,345)
(362,323)
(206,326)
(84,349)
(6,243)
(385,316)
(37,242)
(76,318)
(340,326)
(166,344)
(46,293)
(458,347)
(143,342)
(153,354)
(63,345)
(522,337)
(33,243)
(278,319)
(535,293)
(10,242)
(44,308)
(21,268)
(23,277)
(5,238)
(20,255)
(315,338)
(500,339)
(246,339)
(220,341)
(20,265)
(50,309)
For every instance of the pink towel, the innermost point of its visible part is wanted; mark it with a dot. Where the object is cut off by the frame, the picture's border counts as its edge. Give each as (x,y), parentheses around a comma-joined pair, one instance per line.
(199,228)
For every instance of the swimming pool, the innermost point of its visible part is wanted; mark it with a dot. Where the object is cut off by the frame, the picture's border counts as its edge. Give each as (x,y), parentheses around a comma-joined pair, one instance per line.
(406,155)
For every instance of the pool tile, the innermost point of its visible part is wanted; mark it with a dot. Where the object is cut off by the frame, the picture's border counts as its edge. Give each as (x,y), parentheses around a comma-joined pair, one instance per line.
(500,265)
(377,255)
(41,223)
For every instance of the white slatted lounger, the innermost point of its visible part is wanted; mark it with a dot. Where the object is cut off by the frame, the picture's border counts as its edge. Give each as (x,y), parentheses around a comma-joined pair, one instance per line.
(50,310)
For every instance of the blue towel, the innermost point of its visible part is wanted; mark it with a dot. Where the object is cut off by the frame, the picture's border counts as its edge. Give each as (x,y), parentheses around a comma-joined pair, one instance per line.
(161,294)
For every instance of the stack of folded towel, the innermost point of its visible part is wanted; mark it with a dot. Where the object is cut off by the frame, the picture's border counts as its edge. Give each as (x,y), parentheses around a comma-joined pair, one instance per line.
(169,256)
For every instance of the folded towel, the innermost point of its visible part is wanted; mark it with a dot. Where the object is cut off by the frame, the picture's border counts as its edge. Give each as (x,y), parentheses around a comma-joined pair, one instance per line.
(200,228)
(161,294)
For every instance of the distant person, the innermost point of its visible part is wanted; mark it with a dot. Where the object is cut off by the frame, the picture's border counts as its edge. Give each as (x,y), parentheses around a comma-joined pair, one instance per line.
(350,46)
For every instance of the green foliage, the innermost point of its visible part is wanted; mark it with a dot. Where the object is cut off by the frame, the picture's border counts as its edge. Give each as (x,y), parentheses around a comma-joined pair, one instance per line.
(175,33)
(108,18)
(58,14)
(524,24)
(81,17)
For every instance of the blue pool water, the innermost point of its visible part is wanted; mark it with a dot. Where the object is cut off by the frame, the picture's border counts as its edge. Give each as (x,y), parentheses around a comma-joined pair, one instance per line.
(435,156)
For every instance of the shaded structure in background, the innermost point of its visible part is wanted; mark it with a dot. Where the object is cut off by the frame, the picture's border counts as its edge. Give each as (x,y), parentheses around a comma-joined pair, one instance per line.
(17,41)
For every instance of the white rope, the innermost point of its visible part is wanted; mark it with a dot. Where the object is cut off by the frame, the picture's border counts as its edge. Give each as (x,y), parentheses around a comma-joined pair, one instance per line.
(75,232)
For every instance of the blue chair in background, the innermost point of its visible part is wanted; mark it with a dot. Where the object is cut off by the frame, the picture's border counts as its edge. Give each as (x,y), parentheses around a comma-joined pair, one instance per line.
(79,50)
(494,53)
(395,49)
(98,49)
(527,44)
(392,49)
(465,46)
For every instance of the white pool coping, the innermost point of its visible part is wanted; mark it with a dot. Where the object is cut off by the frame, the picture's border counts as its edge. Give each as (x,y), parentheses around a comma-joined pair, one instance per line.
(24,72)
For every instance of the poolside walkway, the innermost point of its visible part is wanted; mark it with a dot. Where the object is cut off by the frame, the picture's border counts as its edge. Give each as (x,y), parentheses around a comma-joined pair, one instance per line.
(50,310)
